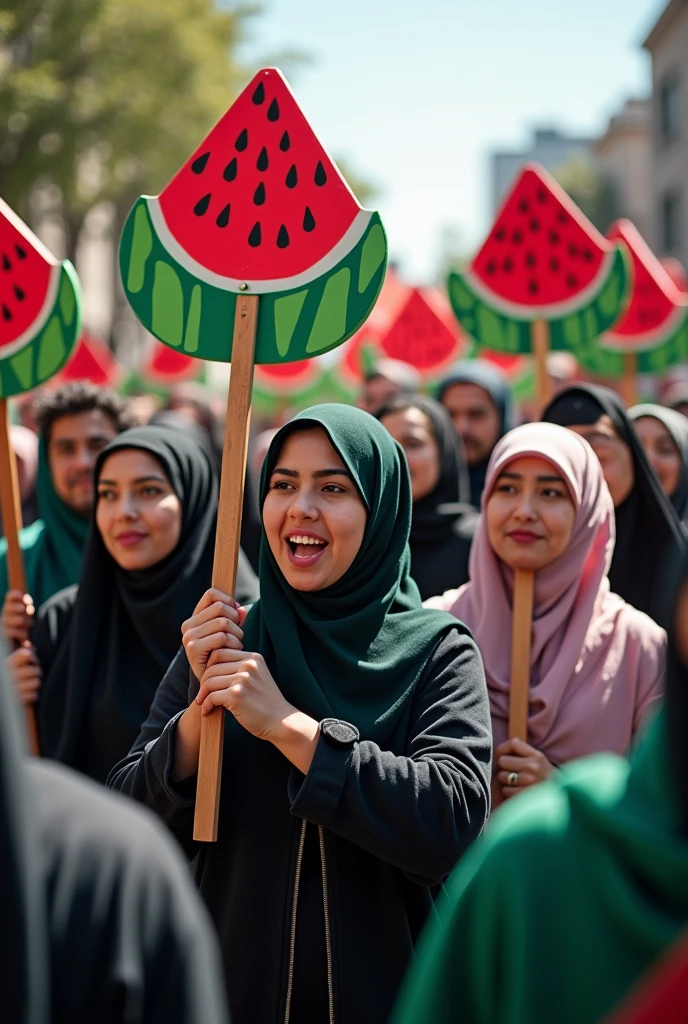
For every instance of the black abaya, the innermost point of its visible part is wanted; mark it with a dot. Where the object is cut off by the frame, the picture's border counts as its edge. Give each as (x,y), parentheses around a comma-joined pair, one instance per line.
(105,647)
(647,528)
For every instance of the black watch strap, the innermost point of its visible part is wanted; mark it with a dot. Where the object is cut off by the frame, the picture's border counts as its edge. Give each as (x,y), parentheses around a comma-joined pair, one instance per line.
(339,733)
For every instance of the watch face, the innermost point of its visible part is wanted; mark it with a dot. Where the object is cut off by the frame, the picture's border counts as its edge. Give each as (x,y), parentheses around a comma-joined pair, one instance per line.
(339,732)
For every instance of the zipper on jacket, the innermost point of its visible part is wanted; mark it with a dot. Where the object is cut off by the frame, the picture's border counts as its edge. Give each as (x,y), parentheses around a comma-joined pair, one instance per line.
(328,937)
(294,908)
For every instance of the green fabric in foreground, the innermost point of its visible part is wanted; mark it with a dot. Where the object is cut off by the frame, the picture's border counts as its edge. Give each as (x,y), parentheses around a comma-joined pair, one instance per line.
(577,887)
(356,649)
(53,546)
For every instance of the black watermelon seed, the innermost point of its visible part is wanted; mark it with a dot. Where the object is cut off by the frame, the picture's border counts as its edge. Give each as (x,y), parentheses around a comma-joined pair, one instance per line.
(6,265)
(285,142)
(19,293)
(561,217)
(223,217)
(320,177)
(254,238)
(571,280)
(198,166)
(292,177)
(230,171)
(530,259)
(308,220)
(259,95)
(21,253)
(554,237)
(524,206)
(535,224)
(500,234)
(282,238)
(242,141)
(202,205)
(587,255)
(508,265)
(259,195)
(6,315)
(554,265)
(273,111)
(517,237)
(541,195)
(491,267)
(262,161)
(573,250)
(533,287)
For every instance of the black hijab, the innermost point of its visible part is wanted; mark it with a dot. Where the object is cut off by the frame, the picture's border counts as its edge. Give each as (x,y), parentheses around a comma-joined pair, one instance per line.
(491,380)
(647,527)
(677,426)
(443,522)
(125,626)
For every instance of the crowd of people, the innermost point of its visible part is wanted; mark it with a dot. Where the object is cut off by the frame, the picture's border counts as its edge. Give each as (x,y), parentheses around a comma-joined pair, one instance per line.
(364,665)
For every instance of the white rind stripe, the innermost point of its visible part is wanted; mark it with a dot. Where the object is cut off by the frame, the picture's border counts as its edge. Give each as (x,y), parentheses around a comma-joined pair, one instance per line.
(613,342)
(40,321)
(346,243)
(553,311)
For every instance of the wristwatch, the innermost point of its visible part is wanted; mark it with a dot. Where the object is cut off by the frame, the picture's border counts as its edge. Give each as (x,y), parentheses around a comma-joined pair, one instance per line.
(339,733)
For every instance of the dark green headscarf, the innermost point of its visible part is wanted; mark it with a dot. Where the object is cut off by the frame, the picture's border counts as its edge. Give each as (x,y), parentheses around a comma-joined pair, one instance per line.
(53,546)
(354,650)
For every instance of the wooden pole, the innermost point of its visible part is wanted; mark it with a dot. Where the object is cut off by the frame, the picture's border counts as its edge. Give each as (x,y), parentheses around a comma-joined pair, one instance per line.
(540,342)
(10,503)
(524,585)
(629,381)
(227,545)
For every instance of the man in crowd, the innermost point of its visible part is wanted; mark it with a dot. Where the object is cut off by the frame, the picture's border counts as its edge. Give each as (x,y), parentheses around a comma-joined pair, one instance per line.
(388,377)
(478,399)
(75,422)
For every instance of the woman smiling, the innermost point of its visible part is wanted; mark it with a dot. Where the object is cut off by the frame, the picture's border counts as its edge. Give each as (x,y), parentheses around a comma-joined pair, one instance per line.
(596,662)
(357,744)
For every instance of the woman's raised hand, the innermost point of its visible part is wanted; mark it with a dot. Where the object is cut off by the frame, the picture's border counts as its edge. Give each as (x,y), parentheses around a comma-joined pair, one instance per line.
(241,682)
(25,669)
(520,766)
(18,614)
(214,626)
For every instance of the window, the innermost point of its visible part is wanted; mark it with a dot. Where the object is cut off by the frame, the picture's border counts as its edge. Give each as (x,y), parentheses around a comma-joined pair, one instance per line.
(670,221)
(669,108)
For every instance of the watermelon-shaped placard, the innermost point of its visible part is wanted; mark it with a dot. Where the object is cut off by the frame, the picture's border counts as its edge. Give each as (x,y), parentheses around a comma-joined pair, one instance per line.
(40,308)
(676,272)
(424,334)
(260,209)
(287,378)
(654,327)
(91,360)
(167,366)
(542,261)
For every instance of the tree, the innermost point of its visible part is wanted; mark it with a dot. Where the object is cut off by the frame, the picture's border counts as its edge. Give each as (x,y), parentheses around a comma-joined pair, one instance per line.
(592,190)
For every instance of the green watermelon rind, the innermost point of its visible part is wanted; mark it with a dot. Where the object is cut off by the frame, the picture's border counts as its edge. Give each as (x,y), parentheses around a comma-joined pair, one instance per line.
(49,349)
(196,317)
(607,363)
(660,335)
(577,332)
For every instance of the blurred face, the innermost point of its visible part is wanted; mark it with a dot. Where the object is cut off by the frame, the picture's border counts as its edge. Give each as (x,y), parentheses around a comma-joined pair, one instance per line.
(376,393)
(413,430)
(681,624)
(475,417)
(74,445)
(314,518)
(530,514)
(661,451)
(614,455)
(139,515)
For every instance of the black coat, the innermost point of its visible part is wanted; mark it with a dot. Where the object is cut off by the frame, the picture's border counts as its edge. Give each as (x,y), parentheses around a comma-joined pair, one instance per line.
(368,831)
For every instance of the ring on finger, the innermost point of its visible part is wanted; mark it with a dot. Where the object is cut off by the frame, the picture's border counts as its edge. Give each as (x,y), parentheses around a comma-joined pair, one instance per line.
(512,779)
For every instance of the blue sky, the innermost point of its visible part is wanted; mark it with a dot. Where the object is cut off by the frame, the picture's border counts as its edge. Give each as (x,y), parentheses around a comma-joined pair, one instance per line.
(415,95)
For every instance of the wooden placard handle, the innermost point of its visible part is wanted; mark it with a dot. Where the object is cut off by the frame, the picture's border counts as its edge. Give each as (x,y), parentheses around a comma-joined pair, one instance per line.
(540,341)
(227,544)
(10,503)
(629,381)
(524,588)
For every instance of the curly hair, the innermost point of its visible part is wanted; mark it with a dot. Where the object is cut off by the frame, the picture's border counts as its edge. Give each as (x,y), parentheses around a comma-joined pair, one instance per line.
(81,396)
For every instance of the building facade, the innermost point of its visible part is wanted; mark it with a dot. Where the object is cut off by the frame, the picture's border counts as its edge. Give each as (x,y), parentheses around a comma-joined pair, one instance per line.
(624,156)
(549,147)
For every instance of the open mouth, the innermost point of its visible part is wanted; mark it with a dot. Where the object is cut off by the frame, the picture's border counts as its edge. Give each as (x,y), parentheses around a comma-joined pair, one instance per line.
(305,549)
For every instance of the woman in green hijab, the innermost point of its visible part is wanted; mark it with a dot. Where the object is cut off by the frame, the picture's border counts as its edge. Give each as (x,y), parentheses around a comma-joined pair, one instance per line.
(577,889)
(357,747)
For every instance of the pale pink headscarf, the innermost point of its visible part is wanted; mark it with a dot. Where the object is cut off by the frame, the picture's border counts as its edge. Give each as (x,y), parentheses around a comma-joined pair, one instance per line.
(596,662)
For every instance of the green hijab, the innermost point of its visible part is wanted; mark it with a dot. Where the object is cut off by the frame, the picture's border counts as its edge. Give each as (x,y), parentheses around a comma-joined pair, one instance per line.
(356,649)
(53,546)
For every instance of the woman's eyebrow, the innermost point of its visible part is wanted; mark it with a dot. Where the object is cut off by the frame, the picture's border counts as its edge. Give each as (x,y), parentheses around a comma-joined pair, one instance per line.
(545,479)
(319,473)
(139,480)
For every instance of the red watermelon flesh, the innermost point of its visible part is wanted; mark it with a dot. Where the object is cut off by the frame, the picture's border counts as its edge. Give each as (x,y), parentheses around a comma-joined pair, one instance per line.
(29,275)
(287,378)
(167,365)
(259,199)
(390,301)
(542,251)
(92,361)
(676,272)
(423,334)
(656,307)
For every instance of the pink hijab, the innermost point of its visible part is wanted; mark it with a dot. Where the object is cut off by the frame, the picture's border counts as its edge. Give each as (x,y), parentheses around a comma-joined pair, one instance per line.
(596,662)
